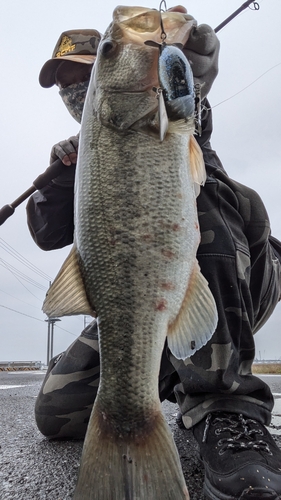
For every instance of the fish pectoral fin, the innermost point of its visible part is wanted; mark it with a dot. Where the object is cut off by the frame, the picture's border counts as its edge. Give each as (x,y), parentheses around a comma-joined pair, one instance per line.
(197,164)
(197,318)
(67,296)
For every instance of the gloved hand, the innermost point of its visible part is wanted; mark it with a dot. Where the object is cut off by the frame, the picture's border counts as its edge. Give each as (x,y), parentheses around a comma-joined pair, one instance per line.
(202,51)
(67,152)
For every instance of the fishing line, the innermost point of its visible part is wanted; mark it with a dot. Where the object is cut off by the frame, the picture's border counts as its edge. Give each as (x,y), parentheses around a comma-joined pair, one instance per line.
(252,5)
(247,86)
(241,10)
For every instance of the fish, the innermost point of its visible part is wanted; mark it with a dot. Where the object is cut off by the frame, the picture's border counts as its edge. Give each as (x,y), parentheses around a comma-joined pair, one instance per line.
(133,262)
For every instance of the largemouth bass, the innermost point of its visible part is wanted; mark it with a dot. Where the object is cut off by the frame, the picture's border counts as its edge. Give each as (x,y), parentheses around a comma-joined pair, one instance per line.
(133,261)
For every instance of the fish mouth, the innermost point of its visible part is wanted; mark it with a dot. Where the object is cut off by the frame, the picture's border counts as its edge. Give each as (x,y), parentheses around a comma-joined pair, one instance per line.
(139,24)
(133,27)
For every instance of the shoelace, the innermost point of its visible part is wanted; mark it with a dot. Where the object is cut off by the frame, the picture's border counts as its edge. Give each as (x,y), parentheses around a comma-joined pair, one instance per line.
(239,427)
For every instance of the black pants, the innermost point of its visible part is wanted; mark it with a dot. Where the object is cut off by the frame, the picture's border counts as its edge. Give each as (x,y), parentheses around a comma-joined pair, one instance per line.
(241,262)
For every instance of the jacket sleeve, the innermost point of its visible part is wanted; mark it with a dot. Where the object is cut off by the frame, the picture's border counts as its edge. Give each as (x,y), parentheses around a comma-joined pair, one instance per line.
(50,216)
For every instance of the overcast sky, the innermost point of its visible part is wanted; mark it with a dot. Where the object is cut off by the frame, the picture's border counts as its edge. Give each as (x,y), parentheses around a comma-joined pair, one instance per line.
(246,137)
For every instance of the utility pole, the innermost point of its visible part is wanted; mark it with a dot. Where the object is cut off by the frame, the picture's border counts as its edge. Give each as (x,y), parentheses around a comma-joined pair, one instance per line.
(86,321)
(50,338)
(48,341)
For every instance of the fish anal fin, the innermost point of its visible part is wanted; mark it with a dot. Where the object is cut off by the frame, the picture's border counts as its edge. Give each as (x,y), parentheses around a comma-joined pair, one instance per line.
(67,296)
(141,464)
(196,320)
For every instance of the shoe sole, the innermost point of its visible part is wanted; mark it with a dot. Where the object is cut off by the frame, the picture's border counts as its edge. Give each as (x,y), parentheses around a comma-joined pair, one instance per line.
(212,494)
(254,494)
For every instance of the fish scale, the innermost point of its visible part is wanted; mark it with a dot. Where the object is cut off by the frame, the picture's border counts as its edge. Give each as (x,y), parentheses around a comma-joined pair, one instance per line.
(132,268)
(120,259)
(133,262)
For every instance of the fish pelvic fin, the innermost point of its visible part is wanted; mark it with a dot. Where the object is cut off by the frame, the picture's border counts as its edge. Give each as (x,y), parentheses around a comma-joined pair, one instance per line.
(197,164)
(143,465)
(66,296)
(195,155)
(197,318)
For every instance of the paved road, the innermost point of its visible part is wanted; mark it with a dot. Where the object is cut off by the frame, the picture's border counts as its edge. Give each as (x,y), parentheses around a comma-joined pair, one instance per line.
(32,468)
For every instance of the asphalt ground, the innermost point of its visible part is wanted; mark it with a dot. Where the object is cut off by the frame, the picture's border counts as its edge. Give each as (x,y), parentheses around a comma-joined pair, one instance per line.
(33,468)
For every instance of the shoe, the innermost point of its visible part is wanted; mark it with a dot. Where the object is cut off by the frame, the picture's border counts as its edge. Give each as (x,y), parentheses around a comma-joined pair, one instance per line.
(241,459)
(179,421)
(91,330)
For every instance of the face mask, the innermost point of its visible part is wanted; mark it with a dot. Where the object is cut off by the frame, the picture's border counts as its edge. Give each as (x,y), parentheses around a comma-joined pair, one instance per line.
(73,97)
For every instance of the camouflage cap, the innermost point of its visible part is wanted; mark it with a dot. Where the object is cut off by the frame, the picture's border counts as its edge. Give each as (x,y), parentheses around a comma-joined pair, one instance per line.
(74,45)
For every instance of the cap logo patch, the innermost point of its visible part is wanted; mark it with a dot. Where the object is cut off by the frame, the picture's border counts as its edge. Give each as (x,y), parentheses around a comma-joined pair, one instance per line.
(65,46)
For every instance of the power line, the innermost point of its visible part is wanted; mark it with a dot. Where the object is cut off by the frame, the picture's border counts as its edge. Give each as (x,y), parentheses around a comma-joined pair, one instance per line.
(23,314)
(14,253)
(20,274)
(23,284)
(57,326)
(37,319)
(13,297)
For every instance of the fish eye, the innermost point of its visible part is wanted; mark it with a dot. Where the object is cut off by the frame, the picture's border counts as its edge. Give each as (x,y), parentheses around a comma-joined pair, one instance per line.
(108,48)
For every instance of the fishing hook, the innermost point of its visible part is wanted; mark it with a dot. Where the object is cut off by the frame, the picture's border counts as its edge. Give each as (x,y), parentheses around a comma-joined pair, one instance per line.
(160,6)
(163,35)
(198,109)
(161,9)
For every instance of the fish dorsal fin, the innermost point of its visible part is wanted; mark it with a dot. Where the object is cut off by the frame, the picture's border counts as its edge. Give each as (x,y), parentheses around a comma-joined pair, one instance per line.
(197,318)
(67,296)
(197,164)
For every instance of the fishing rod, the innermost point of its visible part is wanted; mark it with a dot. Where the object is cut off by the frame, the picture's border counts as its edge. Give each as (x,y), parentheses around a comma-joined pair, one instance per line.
(55,168)
(41,181)
(232,16)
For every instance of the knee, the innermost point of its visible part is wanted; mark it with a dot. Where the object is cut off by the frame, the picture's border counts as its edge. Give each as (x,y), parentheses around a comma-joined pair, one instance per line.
(54,423)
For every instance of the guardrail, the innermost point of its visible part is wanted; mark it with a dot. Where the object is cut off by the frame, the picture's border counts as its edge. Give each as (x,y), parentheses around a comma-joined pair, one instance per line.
(20,365)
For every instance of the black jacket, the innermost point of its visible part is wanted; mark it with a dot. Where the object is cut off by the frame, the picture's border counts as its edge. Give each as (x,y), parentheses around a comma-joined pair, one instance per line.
(50,210)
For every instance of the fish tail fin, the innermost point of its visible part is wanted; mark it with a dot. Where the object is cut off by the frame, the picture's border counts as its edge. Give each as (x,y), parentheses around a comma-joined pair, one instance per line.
(144,466)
